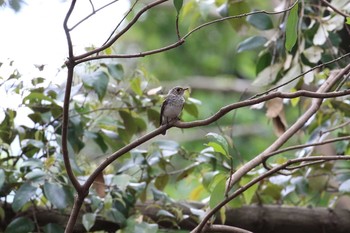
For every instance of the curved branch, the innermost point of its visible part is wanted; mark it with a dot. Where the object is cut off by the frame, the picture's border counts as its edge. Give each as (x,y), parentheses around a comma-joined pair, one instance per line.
(66,29)
(122,32)
(239,16)
(250,102)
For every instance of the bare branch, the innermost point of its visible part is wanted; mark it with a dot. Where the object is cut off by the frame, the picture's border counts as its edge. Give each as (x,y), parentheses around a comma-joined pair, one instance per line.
(92,13)
(122,20)
(225,229)
(66,29)
(123,31)
(235,177)
(335,9)
(258,179)
(85,57)
(239,16)
(301,75)
(251,102)
(301,147)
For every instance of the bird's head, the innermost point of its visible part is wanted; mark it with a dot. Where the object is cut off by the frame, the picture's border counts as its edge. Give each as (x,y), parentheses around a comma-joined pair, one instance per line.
(178,90)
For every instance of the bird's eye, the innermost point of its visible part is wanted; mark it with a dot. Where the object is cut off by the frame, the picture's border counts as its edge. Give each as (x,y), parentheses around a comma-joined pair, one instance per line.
(178,90)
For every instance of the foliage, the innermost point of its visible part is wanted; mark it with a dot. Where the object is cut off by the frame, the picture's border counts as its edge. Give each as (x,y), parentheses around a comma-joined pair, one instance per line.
(113,104)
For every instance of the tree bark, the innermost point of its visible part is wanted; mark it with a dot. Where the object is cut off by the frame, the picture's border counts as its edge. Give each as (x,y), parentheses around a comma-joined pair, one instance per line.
(258,219)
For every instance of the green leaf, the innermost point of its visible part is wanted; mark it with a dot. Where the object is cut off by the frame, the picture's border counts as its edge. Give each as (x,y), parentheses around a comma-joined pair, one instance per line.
(100,141)
(248,194)
(218,193)
(341,106)
(36,175)
(178,5)
(53,228)
(191,109)
(98,81)
(161,181)
(20,225)
(136,85)
(116,71)
(251,43)
(263,61)
(89,220)
(23,195)
(260,21)
(237,8)
(292,28)
(56,195)
(347,20)
(218,143)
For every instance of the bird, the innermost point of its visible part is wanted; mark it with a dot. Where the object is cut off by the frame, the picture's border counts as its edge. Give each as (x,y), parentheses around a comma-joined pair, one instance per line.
(172,106)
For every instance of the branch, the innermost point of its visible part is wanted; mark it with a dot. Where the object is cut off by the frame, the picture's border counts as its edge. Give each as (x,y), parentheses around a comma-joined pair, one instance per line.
(122,32)
(303,146)
(301,75)
(240,16)
(225,229)
(258,179)
(335,9)
(250,102)
(66,29)
(85,57)
(235,177)
(92,13)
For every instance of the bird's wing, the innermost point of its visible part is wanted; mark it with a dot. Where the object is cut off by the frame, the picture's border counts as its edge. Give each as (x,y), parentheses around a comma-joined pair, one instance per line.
(161,111)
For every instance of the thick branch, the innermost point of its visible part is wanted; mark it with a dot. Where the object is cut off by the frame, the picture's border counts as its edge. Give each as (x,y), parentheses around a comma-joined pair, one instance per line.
(235,177)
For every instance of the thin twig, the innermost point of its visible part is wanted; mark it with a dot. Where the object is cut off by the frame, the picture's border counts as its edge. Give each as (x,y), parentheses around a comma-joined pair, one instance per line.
(92,13)
(335,9)
(122,32)
(120,22)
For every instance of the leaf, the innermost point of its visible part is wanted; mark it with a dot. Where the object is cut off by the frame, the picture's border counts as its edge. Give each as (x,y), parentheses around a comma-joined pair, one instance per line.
(56,195)
(116,71)
(218,193)
(20,225)
(313,54)
(251,43)
(347,20)
(292,28)
(53,228)
(161,181)
(341,106)
(23,195)
(99,185)
(263,61)
(249,193)
(218,143)
(136,85)
(98,81)
(89,220)
(260,21)
(178,5)
(237,8)
(191,109)
(345,187)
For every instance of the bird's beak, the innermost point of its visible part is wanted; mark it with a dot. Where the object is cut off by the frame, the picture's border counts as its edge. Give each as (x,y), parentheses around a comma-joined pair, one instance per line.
(186,88)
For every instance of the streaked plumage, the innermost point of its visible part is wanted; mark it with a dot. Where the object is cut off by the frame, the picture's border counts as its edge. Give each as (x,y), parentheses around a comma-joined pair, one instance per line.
(172,106)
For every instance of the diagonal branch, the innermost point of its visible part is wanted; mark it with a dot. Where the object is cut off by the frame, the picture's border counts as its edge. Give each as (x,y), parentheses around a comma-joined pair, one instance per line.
(235,177)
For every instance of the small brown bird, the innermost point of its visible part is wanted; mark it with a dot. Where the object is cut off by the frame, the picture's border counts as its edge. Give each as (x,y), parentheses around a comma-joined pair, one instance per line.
(172,106)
